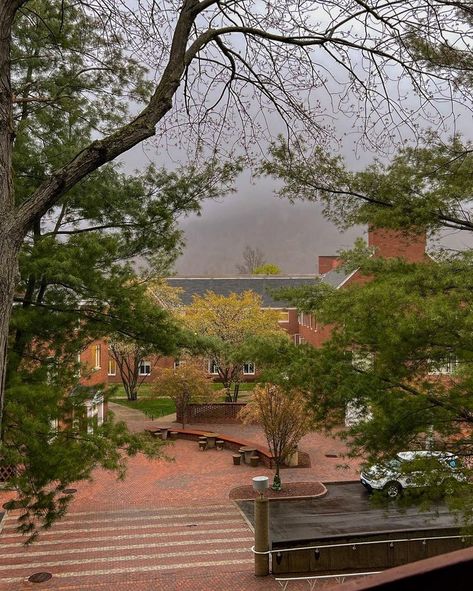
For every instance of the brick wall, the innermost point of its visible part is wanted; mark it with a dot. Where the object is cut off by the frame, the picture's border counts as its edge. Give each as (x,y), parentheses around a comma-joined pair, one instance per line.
(394,243)
(327,263)
(214,412)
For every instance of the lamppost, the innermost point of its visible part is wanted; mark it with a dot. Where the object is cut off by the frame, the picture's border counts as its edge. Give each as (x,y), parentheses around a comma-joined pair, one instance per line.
(261,547)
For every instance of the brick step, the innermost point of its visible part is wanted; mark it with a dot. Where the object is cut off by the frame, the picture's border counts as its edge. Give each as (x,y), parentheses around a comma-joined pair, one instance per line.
(105,579)
(133,563)
(138,527)
(194,534)
(10,519)
(97,555)
(107,514)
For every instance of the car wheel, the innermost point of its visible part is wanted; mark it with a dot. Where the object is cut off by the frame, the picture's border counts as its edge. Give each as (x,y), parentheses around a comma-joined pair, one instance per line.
(393,489)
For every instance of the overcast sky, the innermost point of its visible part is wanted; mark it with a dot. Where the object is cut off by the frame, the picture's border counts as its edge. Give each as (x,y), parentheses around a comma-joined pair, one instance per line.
(290,235)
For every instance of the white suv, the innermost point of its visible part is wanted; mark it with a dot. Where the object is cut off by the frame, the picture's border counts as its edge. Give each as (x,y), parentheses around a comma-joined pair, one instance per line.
(394,475)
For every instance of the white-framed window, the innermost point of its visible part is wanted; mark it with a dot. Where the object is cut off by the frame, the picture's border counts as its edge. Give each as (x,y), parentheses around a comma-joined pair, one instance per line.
(95,413)
(145,368)
(98,356)
(283,316)
(362,360)
(112,367)
(213,367)
(297,339)
(446,366)
(249,368)
(179,363)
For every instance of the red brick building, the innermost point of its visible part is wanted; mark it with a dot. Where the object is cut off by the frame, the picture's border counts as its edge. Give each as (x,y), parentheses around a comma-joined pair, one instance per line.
(385,244)
(100,368)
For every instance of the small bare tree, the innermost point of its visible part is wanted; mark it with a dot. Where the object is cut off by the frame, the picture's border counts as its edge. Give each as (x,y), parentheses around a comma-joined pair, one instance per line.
(128,356)
(285,418)
(252,259)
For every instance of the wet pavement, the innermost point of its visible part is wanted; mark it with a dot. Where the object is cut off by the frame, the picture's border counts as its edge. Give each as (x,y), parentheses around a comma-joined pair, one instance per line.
(345,510)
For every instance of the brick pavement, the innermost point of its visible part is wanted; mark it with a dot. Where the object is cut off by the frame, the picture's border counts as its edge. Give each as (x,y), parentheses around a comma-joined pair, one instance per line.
(168,525)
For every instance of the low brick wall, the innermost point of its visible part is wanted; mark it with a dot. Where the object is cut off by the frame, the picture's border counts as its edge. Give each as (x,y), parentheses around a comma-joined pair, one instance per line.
(214,412)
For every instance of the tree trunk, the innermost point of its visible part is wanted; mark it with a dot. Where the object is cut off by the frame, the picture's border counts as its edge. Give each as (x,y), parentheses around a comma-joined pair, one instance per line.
(277,479)
(236,390)
(10,236)
(8,282)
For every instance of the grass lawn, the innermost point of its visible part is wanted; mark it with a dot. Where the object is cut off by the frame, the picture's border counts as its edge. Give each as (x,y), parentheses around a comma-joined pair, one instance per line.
(152,407)
(159,407)
(118,391)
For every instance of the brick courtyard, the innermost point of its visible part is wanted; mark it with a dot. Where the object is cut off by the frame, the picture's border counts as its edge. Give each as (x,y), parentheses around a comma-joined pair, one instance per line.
(169,525)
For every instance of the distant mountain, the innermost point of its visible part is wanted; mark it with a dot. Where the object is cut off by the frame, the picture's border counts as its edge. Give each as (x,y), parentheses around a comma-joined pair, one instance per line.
(291,236)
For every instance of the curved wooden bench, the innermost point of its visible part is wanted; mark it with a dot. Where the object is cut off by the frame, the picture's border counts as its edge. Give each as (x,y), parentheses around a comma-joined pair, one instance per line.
(231,442)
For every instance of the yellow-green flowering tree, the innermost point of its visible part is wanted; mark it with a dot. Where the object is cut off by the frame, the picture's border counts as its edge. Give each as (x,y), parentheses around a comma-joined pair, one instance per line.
(229,323)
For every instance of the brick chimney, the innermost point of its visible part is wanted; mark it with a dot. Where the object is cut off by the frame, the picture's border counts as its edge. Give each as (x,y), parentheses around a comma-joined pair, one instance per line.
(395,243)
(327,263)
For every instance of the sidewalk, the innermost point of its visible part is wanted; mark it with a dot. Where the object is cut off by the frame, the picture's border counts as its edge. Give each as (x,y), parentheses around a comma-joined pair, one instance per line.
(167,525)
(317,445)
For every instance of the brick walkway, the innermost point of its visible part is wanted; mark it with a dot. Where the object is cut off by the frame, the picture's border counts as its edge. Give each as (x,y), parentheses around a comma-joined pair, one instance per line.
(169,525)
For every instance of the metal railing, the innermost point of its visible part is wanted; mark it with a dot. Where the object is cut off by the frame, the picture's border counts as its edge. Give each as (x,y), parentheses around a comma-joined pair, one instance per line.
(319,547)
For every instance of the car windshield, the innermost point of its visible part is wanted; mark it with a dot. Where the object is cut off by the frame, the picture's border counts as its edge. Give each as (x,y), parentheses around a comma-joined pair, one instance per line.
(393,464)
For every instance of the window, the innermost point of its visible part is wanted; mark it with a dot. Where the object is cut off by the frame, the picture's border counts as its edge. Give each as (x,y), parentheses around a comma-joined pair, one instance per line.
(179,363)
(213,367)
(362,360)
(112,367)
(95,413)
(98,356)
(145,368)
(249,369)
(283,316)
(445,366)
(297,339)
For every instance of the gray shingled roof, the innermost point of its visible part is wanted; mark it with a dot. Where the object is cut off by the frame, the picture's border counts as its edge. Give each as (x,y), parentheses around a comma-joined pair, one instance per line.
(335,277)
(227,285)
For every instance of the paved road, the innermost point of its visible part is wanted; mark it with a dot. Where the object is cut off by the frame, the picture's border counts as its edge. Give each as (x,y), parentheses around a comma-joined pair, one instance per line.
(345,510)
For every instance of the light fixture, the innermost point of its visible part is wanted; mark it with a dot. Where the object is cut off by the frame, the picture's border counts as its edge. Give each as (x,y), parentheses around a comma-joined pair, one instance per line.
(260,484)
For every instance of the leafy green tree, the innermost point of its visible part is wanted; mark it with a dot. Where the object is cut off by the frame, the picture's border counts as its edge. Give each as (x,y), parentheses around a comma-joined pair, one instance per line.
(401,345)
(69,64)
(85,265)
(53,446)
(267,269)
(424,187)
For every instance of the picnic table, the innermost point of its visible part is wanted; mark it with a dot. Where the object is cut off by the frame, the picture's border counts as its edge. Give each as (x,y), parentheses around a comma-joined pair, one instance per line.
(162,431)
(211,438)
(247,453)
